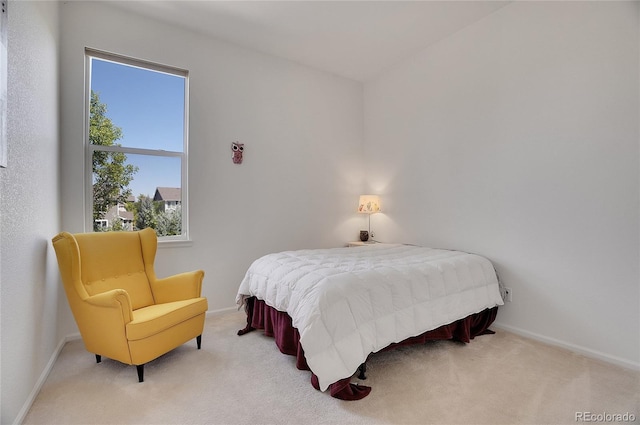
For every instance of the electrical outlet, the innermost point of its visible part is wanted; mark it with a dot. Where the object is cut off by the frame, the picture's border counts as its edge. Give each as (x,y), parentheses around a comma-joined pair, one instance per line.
(508,295)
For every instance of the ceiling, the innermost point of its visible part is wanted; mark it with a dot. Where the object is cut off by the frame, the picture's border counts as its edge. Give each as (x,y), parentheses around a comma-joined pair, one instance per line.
(354,39)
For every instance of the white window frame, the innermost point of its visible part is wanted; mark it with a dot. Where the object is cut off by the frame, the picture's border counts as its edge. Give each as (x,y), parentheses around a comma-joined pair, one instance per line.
(90,149)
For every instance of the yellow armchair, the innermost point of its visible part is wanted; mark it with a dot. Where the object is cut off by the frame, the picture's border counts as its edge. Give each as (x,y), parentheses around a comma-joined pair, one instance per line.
(123,311)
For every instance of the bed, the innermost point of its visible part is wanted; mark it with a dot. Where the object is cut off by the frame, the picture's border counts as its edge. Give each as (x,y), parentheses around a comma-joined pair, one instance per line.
(332,308)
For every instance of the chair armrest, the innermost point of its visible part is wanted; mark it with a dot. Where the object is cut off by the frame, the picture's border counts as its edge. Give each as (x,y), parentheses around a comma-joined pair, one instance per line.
(179,287)
(111,305)
(102,320)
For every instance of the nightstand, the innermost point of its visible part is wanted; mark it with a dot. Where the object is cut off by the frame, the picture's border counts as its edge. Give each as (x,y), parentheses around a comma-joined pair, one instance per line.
(360,243)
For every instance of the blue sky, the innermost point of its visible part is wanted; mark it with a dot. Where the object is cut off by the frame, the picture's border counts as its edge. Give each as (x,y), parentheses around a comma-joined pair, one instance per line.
(149,108)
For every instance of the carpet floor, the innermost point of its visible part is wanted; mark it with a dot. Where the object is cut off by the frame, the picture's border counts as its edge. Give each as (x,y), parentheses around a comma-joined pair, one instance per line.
(496,379)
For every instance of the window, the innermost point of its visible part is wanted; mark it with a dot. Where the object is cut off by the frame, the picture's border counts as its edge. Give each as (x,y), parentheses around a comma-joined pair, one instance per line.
(136,139)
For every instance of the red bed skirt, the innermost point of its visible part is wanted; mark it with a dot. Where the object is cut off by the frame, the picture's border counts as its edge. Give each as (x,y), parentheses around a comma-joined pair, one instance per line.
(278,325)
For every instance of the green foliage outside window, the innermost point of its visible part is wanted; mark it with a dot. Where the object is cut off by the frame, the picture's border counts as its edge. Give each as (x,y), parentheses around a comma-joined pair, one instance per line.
(111,173)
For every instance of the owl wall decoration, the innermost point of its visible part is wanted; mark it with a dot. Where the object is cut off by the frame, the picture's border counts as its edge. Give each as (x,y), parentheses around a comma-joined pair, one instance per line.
(237,149)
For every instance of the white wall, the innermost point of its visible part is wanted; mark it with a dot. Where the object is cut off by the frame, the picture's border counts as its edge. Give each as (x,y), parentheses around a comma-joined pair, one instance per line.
(517,138)
(303,131)
(29,213)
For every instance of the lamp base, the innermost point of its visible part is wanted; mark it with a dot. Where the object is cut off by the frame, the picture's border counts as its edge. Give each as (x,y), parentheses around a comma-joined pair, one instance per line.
(364,235)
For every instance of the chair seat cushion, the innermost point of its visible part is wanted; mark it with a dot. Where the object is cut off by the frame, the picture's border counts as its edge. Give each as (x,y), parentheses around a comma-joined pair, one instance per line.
(148,321)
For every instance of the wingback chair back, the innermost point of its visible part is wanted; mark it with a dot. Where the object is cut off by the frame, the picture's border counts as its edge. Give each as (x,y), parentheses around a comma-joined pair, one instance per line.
(118,260)
(123,311)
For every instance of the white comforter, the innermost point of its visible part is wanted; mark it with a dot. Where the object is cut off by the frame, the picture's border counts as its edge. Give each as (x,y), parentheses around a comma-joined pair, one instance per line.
(350,302)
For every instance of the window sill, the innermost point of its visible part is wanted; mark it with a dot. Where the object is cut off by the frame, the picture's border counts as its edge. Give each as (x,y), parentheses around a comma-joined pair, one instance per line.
(174,243)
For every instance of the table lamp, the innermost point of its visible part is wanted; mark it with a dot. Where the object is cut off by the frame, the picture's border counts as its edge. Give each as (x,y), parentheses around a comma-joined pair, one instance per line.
(368,204)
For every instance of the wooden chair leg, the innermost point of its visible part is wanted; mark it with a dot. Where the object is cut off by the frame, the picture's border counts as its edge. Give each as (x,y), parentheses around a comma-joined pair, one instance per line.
(98,358)
(199,341)
(140,369)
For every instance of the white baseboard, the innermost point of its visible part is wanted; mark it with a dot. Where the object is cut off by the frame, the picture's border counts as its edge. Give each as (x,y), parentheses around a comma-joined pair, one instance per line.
(571,347)
(41,380)
(219,311)
(73,337)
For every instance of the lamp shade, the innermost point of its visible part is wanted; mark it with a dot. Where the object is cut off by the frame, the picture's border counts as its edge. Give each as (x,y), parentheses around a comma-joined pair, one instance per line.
(369,204)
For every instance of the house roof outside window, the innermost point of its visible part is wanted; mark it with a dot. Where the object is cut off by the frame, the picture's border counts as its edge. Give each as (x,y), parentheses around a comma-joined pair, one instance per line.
(168,194)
